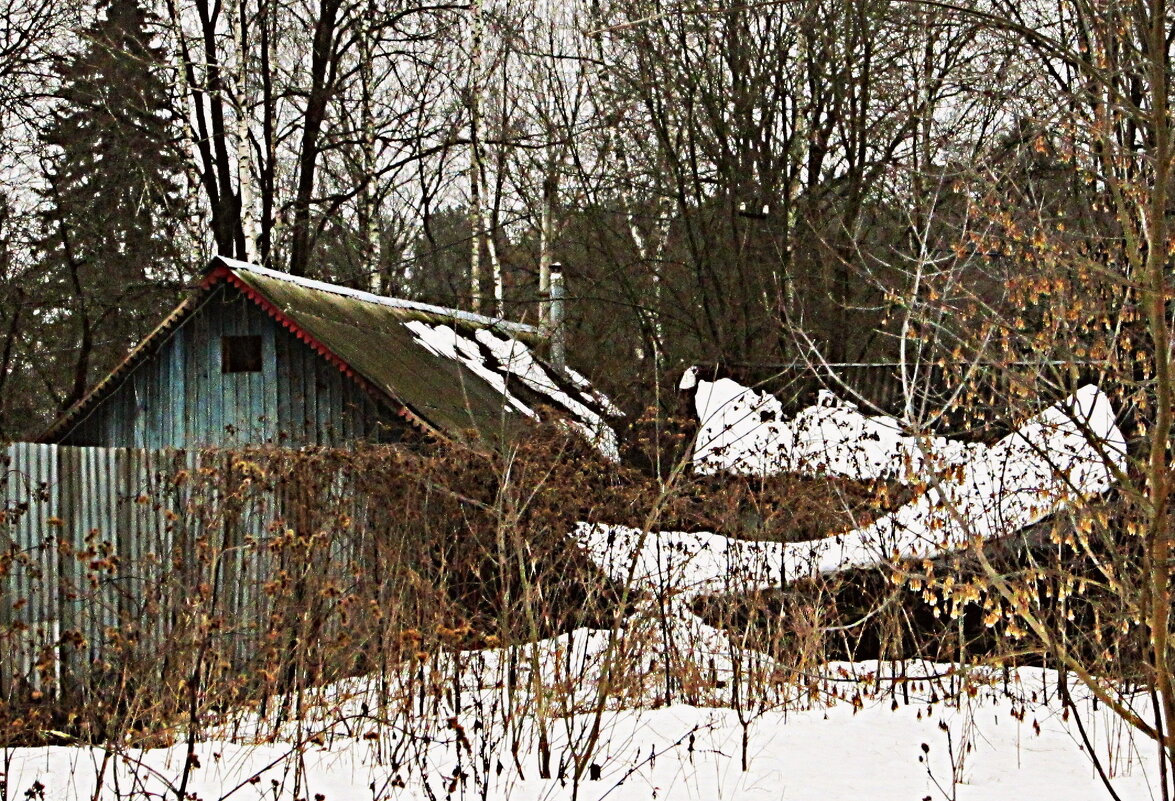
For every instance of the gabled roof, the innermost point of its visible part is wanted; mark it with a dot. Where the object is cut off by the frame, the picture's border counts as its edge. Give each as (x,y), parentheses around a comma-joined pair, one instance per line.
(449,371)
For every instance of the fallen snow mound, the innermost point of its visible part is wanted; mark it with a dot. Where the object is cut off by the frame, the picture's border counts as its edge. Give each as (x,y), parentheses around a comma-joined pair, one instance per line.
(743,431)
(1068,452)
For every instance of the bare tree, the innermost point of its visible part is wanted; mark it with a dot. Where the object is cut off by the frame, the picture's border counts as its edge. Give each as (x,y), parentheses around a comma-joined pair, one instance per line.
(1058,276)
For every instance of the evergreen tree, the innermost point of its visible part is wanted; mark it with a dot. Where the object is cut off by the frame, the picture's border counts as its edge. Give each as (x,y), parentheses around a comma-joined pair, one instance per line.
(110,260)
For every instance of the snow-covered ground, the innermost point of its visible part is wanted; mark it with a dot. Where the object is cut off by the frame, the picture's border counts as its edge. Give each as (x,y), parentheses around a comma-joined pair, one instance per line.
(851,731)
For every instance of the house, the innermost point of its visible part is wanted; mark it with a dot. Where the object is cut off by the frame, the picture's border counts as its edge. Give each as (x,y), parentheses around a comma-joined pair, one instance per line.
(253,356)
(257,356)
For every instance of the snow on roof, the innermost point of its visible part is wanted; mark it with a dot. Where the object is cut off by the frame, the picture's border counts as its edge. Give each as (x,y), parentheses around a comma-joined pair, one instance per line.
(516,359)
(382,300)
(512,358)
(444,341)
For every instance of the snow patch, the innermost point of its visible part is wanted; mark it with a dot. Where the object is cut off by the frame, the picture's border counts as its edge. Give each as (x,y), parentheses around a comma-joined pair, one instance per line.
(743,431)
(1067,452)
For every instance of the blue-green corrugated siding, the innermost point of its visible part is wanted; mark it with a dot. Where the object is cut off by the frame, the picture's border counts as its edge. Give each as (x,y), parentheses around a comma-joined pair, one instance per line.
(82,497)
(180,398)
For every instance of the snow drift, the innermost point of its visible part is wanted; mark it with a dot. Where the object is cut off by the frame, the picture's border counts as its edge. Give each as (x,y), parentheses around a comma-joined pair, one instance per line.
(1067,452)
(743,431)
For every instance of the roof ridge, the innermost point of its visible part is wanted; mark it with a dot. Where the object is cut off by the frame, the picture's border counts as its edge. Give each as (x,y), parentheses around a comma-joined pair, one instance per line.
(382,300)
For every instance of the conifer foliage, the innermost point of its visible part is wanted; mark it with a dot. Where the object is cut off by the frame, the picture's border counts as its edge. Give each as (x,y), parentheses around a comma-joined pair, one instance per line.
(112,201)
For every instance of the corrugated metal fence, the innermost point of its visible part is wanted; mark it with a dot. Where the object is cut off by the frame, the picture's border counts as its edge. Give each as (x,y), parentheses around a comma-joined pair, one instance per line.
(90,541)
(131,574)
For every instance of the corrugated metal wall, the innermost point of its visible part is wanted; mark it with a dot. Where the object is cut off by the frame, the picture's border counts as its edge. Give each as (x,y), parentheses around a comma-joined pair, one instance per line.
(181,398)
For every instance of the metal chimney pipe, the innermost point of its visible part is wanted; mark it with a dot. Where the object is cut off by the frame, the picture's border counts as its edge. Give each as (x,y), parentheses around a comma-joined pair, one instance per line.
(558,334)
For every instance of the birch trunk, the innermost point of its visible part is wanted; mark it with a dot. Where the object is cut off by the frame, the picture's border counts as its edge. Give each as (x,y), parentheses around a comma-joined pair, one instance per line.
(476,222)
(243,101)
(368,202)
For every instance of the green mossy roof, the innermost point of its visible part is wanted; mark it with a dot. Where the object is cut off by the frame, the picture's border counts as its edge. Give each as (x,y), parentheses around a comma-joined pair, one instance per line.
(373,340)
(366,335)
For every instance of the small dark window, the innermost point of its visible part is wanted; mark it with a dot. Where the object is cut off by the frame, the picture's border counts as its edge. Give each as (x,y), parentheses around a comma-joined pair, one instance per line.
(240,354)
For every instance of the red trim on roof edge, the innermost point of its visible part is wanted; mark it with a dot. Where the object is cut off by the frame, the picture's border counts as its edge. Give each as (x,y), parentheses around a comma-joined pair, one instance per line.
(69,419)
(224,273)
(215,274)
